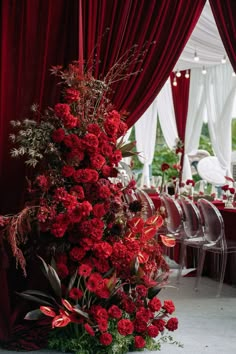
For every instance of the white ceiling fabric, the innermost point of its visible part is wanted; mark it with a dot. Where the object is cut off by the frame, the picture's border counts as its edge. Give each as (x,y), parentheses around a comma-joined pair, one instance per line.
(206,41)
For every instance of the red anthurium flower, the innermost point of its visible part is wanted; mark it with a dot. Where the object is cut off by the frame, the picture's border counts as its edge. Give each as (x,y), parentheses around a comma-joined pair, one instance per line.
(155,220)
(225,187)
(48,311)
(67,305)
(143,257)
(148,232)
(232,190)
(136,225)
(168,241)
(229,179)
(61,321)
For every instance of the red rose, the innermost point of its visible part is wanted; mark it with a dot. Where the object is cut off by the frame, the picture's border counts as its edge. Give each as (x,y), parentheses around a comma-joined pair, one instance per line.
(139,342)
(116,157)
(94,129)
(160,324)
(78,192)
(72,95)
(123,127)
(125,327)
(172,324)
(165,166)
(105,339)
(169,306)
(153,331)
(58,135)
(99,210)
(115,312)
(90,140)
(190,181)
(103,325)
(61,109)
(111,127)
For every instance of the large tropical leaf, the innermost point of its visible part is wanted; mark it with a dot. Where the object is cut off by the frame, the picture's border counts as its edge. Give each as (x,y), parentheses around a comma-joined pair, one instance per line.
(34,315)
(34,298)
(54,280)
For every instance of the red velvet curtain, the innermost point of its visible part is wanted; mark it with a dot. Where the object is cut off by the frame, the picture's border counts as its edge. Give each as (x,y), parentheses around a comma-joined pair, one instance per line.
(180,95)
(225,14)
(35,34)
(165,25)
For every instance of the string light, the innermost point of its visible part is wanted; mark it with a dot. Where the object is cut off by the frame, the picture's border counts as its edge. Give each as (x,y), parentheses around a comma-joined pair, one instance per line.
(178,73)
(187,74)
(175,81)
(204,71)
(223,60)
(196,57)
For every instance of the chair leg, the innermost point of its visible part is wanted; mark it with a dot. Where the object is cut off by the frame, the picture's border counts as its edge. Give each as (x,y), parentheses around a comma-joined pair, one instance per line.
(199,268)
(222,272)
(181,261)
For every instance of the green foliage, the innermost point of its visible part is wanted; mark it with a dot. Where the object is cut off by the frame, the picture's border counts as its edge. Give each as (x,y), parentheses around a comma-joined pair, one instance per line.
(233,134)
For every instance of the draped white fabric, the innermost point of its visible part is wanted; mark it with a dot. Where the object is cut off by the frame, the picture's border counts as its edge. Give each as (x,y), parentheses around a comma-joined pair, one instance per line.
(220,87)
(166,115)
(145,135)
(205,40)
(194,122)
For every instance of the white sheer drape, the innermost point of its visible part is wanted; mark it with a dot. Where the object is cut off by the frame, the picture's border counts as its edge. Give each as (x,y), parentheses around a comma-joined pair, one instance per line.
(166,115)
(194,122)
(145,135)
(220,88)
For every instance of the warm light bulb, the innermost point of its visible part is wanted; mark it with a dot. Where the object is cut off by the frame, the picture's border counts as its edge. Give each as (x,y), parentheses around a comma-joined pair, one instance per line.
(187,74)
(178,74)
(204,71)
(223,60)
(196,57)
(174,82)
(233,73)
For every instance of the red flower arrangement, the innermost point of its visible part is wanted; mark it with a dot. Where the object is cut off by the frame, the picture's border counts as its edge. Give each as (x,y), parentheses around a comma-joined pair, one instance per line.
(107,263)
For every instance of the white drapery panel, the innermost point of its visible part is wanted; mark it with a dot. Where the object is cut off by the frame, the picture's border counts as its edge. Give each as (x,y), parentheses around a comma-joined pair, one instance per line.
(145,135)
(196,106)
(166,115)
(220,88)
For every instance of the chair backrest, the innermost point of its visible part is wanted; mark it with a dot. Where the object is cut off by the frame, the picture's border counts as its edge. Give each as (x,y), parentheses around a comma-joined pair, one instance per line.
(174,220)
(148,206)
(213,223)
(192,218)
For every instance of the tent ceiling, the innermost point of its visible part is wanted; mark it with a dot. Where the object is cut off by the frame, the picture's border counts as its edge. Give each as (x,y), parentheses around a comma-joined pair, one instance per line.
(206,41)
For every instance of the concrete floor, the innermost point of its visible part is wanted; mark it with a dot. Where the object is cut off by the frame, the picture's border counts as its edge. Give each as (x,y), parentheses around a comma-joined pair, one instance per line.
(206,324)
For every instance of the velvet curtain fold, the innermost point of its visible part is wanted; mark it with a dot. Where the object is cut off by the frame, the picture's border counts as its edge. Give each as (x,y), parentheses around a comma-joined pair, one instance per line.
(113,27)
(225,13)
(180,95)
(35,34)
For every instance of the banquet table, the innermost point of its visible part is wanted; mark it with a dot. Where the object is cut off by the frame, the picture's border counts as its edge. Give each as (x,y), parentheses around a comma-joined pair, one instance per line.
(210,266)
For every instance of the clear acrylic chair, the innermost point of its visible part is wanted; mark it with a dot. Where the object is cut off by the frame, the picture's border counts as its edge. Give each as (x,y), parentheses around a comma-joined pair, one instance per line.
(174,220)
(214,240)
(193,230)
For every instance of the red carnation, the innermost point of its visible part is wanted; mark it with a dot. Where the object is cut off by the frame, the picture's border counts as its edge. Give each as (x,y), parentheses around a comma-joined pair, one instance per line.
(61,110)
(97,161)
(125,327)
(115,312)
(169,306)
(72,95)
(67,171)
(172,324)
(141,289)
(99,210)
(160,324)
(139,342)
(154,304)
(70,121)
(153,331)
(58,135)
(106,339)
(77,253)
(89,329)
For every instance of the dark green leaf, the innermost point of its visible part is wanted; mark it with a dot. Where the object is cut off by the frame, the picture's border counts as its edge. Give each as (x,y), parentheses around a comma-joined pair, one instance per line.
(54,280)
(152,292)
(40,293)
(78,310)
(72,282)
(44,267)
(34,315)
(34,298)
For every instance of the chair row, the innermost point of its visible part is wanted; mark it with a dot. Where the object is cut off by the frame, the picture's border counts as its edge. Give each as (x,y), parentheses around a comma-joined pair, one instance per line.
(200,226)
